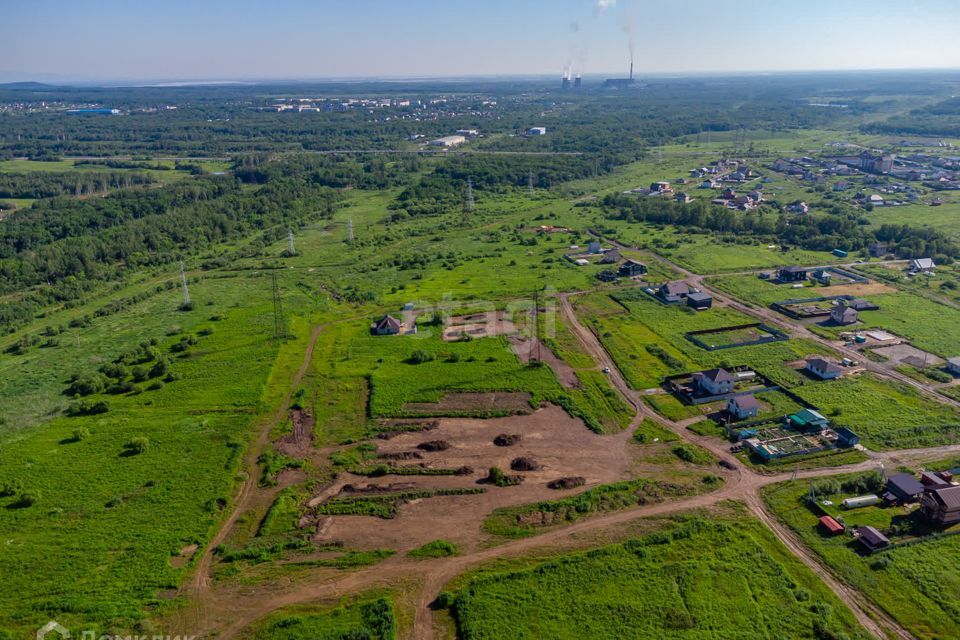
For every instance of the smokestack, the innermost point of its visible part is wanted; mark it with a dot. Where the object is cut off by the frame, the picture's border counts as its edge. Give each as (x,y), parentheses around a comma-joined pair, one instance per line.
(577,81)
(631,69)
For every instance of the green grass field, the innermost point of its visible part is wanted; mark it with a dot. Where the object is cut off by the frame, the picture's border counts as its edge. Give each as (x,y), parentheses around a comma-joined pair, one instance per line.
(370,619)
(696,579)
(886,415)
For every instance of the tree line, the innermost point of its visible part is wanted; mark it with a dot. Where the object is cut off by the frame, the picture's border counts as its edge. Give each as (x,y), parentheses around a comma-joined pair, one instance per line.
(817,233)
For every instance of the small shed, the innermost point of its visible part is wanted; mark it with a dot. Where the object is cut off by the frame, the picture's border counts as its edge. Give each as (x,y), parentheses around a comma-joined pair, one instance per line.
(700,301)
(872,539)
(831,526)
(847,438)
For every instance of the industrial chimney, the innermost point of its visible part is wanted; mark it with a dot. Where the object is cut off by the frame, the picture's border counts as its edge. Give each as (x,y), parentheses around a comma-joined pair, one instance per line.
(631,69)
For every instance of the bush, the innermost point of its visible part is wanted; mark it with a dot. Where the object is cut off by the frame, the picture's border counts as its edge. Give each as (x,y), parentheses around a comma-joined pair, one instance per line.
(136,446)
(419,357)
(11,488)
(27,499)
(81,434)
(435,549)
(87,408)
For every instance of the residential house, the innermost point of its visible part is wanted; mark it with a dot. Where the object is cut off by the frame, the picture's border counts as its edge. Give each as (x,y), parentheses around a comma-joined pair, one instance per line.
(903,487)
(611,257)
(743,407)
(674,291)
(682,198)
(699,300)
(799,207)
(387,326)
(594,248)
(660,188)
(872,539)
(714,382)
(942,505)
(862,304)
(631,269)
(823,369)
(922,265)
(792,274)
(844,316)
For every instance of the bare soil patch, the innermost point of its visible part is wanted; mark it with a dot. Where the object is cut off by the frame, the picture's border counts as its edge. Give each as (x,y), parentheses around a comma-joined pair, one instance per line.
(479,325)
(512,402)
(299,441)
(183,558)
(562,446)
(907,354)
(860,290)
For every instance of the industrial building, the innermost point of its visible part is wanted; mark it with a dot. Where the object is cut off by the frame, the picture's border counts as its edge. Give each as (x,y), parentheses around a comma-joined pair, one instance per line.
(448,141)
(620,83)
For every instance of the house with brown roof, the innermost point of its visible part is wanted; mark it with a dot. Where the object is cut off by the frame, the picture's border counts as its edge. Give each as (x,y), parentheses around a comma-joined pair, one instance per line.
(387,326)
(674,291)
(942,505)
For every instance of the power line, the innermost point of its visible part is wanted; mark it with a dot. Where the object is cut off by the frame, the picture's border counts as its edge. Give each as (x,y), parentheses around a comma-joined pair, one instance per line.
(468,201)
(186,291)
(279,322)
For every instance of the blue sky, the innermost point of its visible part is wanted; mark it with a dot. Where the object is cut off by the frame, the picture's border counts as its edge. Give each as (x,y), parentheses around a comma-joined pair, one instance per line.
(291,39)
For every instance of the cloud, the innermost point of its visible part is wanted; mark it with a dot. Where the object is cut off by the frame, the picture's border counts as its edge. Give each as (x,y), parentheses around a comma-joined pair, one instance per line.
(603,5)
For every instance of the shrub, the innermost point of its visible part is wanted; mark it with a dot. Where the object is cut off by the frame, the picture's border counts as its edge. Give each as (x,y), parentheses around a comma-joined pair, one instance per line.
(27,499)
(137,445)
(419,357)
(11,488)
(435,549)
(87,408)
(81,434)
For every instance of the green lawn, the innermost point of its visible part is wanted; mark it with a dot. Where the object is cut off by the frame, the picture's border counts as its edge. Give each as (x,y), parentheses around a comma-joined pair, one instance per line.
(696,579)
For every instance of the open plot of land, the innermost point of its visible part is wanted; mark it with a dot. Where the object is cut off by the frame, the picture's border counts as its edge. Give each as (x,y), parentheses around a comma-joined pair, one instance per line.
(910,583)
(886,415)
(559,444)
(907,354)
(647,340)
(728,576)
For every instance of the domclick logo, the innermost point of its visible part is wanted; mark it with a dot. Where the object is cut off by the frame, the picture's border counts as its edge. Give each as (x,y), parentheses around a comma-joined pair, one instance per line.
(52,630)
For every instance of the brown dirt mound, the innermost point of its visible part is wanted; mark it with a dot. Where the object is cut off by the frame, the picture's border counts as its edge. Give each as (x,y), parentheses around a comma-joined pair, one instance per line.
(464,471)
(567,483)
(402,455)
(461,403)
(373,488)
(536,518)
(399,427)
(298,442)
(507,440)
(434,445)
(524,464)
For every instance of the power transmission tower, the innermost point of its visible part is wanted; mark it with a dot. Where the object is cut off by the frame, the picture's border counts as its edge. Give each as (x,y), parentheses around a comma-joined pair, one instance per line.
(468,201)
(796,472)
(290,249)
(350,230)
(186,291)
(279,323)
